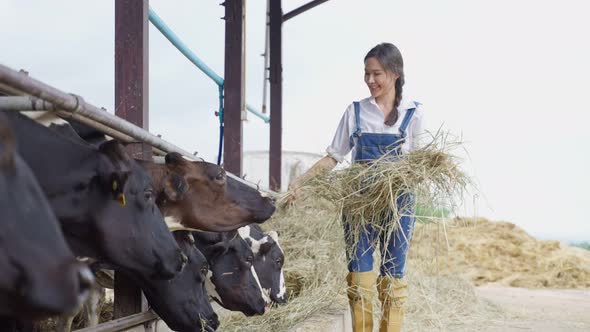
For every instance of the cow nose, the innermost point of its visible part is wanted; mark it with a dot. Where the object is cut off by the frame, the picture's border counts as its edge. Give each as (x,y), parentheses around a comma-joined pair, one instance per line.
(213,322)
(86,281)
(279,300)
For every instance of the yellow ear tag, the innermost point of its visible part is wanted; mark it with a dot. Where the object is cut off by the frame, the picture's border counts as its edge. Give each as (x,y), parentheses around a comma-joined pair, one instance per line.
(115,185)
(121,199)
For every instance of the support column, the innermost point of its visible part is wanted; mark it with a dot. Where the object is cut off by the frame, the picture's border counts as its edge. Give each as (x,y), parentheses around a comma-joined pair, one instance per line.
(276,94)
(233,86)
(131,103)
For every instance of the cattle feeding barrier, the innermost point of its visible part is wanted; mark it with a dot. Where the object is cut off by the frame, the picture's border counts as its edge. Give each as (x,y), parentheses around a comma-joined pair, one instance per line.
(29,94)
(44,97)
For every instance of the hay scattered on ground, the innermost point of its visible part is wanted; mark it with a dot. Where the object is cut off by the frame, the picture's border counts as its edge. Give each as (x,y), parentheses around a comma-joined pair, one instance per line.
(500,252)
(315,268)
(446,303)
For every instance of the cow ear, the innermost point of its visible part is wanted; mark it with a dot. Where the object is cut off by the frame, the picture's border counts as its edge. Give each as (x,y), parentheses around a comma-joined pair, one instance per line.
(274,235)
(175,186)
(216,250)
(174,158)
(265,247)
(115,151)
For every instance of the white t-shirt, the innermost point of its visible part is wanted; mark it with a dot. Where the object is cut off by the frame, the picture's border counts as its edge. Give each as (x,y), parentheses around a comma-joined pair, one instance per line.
(372,121)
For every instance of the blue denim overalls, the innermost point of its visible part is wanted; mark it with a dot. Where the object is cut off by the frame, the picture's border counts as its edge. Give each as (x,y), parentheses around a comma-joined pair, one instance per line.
(371,146)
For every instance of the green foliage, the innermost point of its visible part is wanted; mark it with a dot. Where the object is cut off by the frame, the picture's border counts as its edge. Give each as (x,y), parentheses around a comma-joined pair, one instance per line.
(583,245)
(425,213)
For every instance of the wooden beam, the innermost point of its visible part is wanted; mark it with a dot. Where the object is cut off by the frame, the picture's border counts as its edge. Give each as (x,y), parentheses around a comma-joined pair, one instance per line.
(276,94)
(233,86)
(131,103)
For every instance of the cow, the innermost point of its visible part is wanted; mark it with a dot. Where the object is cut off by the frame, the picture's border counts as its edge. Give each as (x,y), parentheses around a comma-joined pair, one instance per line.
(182,303)
(196,194)
(211,201)
(232,281)
(40,275)
(103,200)
(268,260)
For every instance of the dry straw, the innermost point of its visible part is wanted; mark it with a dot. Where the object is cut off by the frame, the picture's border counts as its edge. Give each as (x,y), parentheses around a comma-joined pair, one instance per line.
(376,195)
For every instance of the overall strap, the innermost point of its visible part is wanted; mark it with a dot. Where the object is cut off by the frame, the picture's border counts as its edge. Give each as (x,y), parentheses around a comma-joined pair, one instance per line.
(406,121)
(357,119)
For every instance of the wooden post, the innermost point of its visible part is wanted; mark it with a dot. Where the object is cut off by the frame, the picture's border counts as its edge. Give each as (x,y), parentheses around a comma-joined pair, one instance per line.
(131,103)
(276,94)
(233,86)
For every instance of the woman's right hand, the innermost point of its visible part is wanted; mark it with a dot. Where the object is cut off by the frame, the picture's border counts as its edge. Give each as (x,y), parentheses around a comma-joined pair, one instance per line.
(294,192)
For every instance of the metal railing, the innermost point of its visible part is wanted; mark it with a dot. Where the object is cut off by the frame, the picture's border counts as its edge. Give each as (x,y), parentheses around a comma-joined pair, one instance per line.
(49,98)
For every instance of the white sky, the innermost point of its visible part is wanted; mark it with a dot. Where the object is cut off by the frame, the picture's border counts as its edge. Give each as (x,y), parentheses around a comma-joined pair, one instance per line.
(510,76)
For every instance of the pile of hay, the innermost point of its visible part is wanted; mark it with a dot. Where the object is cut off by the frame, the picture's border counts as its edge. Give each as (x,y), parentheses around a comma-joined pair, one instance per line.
(500,252)
(315,269)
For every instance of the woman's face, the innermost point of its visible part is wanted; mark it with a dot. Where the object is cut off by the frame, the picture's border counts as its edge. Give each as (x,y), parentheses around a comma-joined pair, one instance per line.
(379,80)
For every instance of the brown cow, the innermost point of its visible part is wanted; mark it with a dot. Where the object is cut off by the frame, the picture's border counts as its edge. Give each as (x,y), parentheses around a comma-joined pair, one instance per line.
(199,195)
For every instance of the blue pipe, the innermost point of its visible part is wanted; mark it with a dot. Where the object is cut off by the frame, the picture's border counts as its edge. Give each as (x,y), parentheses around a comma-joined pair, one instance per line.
(173,38)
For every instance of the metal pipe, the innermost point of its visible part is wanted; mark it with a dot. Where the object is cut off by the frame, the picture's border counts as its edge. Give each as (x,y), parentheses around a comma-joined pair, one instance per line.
(30,103)
(19,103)
(302,9)
(173,38)
(78,107)
(192,57)
(123,323)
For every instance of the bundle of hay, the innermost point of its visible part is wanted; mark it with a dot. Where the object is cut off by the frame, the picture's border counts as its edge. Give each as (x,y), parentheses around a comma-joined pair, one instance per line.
(378,194)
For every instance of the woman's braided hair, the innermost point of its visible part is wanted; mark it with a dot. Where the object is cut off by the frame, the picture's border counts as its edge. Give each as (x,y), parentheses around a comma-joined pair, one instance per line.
(391,59)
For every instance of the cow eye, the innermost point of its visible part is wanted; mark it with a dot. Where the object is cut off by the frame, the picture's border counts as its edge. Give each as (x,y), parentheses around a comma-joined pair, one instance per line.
(220,177)
(204,270)
(279,262)
(148,194)
(249,260)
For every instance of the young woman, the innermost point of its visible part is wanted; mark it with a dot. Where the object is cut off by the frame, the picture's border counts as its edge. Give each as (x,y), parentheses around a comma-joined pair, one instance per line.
(384,123)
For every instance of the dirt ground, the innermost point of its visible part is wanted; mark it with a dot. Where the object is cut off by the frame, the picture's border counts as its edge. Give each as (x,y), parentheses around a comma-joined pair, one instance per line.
(551,310)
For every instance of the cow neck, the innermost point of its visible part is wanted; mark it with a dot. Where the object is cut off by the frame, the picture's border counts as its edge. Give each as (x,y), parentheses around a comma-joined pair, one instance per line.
(53,157)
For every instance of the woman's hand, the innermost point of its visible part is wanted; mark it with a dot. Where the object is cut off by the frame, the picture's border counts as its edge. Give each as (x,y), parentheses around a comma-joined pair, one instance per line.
(294,191)
(325,164)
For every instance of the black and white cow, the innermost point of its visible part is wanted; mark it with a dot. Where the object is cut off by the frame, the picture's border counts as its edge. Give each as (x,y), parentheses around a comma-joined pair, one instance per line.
(268,260)
(103,200)
(232,282)
(40,276)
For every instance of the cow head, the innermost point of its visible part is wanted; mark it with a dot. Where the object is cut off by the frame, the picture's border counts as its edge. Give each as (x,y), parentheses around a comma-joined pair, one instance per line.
(103,200)
(183,302)
(40,275)
(212,201)
(129,227)
(232,282)
(268,260)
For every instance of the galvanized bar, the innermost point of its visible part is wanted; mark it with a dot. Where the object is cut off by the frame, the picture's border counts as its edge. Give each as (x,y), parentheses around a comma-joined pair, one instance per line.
(75,104)
(123,323)
(302,9)
(233,86)
(276,94)
(19,103)
(132,104)
(30,103)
